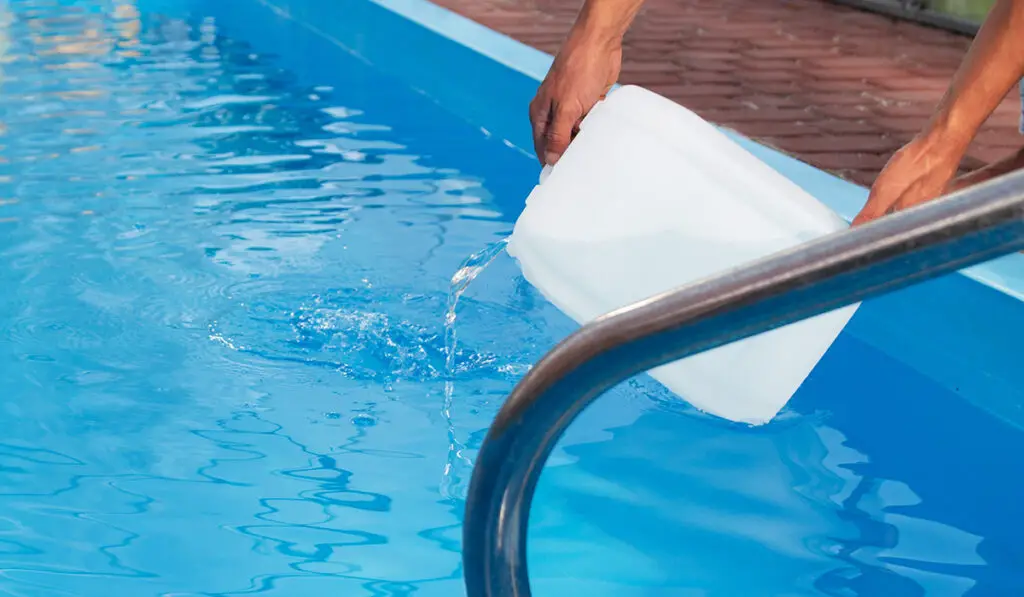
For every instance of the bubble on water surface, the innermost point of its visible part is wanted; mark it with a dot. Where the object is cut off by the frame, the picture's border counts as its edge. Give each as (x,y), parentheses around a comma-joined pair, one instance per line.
(364,420)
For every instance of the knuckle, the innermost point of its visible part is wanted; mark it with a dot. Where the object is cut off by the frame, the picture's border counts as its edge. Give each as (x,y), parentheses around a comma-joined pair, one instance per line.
(554,135)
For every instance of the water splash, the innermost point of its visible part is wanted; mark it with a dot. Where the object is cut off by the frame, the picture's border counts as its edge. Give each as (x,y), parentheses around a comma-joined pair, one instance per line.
(469,270)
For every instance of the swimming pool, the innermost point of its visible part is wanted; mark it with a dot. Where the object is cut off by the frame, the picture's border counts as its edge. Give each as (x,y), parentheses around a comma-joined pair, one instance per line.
(227,232)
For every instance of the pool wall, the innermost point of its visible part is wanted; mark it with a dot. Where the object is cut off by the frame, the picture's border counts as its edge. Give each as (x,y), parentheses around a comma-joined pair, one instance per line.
(961,331)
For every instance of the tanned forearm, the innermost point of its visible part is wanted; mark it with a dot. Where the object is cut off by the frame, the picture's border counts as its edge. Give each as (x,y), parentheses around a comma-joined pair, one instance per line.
(992,66)
(606,21)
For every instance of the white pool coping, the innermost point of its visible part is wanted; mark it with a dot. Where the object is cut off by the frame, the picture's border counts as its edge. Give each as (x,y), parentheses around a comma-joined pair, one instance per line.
(1005,274)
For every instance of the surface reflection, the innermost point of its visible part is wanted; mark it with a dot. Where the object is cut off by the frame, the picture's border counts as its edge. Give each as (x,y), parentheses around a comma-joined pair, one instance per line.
(222,360)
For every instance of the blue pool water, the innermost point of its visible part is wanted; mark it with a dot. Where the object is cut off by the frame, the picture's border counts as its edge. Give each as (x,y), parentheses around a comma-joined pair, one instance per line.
(222,361)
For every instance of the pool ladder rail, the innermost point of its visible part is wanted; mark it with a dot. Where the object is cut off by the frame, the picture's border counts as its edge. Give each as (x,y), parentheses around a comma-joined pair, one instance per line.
(940,237)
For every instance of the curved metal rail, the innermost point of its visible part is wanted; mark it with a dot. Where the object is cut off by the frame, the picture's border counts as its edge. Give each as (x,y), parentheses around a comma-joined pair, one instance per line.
(940,237)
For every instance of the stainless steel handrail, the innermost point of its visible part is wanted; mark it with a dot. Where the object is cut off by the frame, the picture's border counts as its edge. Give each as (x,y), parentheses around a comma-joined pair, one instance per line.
(940,237)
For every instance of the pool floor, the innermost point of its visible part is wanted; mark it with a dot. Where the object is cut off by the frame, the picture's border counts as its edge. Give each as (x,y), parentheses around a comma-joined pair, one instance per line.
(222,361)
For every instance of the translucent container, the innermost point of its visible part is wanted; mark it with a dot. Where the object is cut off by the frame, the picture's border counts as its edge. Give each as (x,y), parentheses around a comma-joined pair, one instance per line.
(650,197)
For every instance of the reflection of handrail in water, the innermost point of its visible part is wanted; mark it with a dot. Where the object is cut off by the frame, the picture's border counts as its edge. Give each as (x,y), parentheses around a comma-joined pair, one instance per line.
(969,227)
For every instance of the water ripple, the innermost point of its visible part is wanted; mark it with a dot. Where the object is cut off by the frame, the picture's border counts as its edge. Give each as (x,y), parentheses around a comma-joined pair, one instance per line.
(350,331)
(222,358)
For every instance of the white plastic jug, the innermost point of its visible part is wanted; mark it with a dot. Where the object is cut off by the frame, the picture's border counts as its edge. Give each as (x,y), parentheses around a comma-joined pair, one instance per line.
(649,197)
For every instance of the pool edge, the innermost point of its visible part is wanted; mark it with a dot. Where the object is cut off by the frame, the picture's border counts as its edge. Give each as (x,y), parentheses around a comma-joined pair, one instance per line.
(961,331)
(1005,275)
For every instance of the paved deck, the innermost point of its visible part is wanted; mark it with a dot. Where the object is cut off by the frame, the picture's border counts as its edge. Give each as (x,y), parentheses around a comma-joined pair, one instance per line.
(837,87)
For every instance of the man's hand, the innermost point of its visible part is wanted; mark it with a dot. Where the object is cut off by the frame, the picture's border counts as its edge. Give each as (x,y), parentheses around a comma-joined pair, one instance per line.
(921,171)
(924,168)
(582,73)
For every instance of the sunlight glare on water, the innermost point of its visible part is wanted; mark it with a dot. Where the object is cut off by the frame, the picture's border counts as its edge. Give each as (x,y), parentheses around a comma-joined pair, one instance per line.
(225,367)
(220,288)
